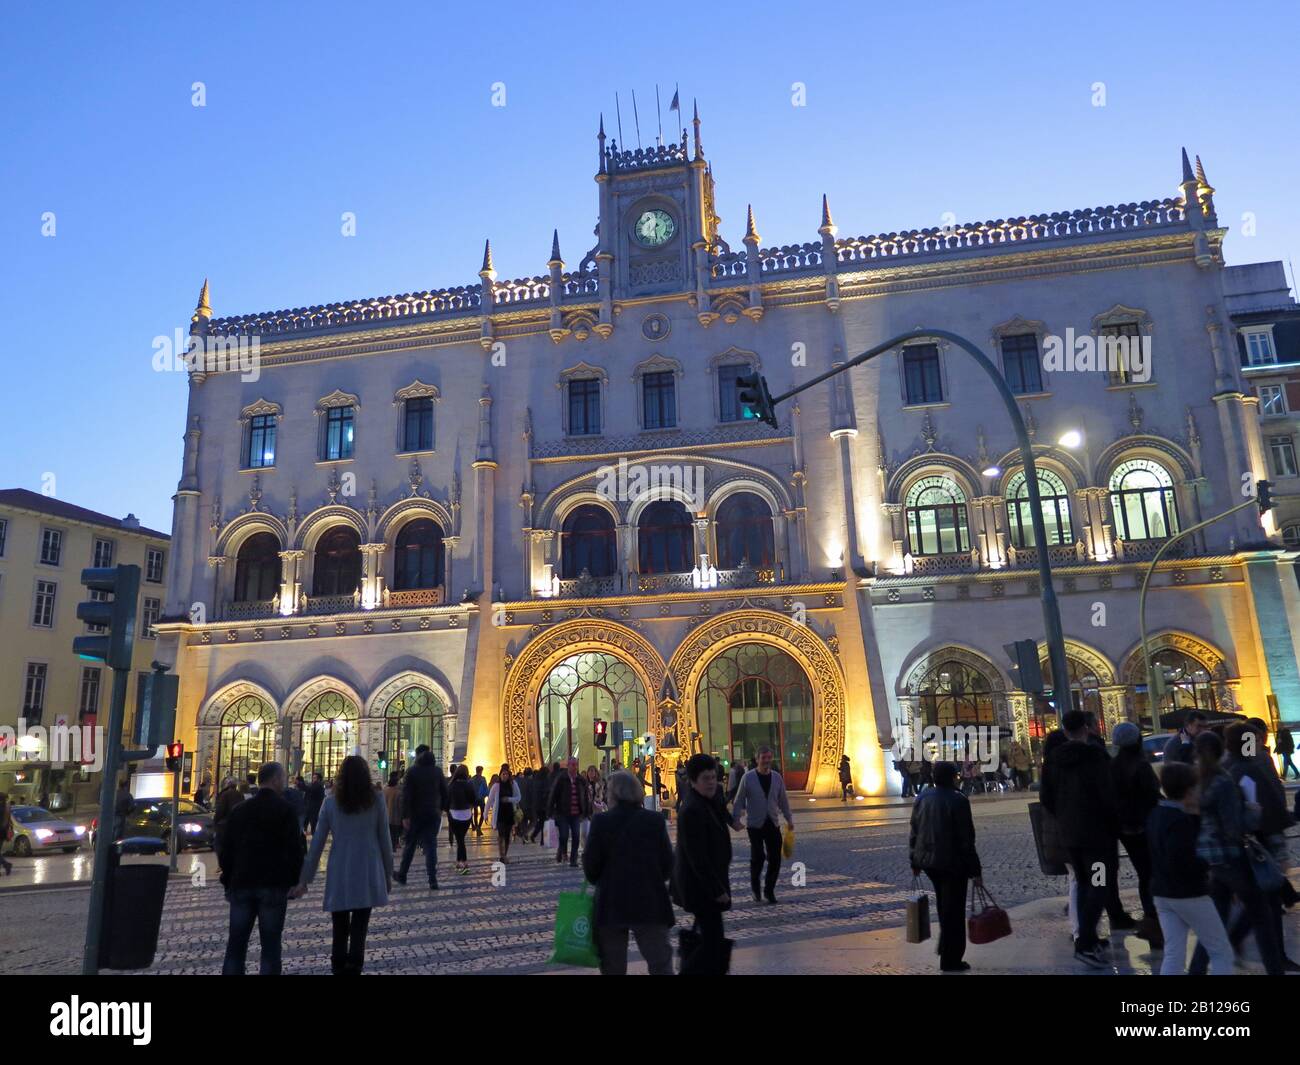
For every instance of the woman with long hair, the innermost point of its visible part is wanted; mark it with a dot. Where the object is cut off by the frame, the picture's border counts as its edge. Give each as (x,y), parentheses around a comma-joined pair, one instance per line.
(503,800)
(461,806)
(359,874)
(1221,845)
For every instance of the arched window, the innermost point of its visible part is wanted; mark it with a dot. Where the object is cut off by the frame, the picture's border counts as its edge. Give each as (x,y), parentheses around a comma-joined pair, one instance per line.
(1056,509)
(745,532)
(247,738)
(418,555)
(1085,688)
(587,542)
(936,517)
(1187,679)
(337,566)
(665,538)
(954,693)
(414,717)
(329,732)
(257,568)
(753,695)
(1142,500)
(577,691)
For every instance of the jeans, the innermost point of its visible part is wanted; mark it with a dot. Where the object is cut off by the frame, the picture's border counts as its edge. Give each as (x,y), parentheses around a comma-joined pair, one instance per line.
(1288,766)
(425,835)
(267,907)
(1237,879)
(1177,917)
(570,827)
(1092,897)
(459,829)
(765,842)
(1114,904)
(1139,853)
(950,906)
(349,950)
(478,818)
(651,941)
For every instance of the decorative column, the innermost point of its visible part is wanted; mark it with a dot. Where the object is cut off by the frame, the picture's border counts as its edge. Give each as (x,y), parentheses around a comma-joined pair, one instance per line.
(781,548)
(753,269)
(991,545)
(1019,703)
(626,551)
(372,577)
(701,538)
(290,581)
(894,512)
(218,585)
(449,544)
(907,728)
(1114,706)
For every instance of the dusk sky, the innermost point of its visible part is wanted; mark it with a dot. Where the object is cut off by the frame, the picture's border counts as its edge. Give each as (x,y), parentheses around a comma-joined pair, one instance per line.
(912,111)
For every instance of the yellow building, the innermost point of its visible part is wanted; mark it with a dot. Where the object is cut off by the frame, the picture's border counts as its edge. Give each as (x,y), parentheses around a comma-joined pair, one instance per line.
(45,543)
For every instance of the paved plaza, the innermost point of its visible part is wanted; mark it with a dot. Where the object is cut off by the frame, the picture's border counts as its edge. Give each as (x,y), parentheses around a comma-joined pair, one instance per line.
(841,910)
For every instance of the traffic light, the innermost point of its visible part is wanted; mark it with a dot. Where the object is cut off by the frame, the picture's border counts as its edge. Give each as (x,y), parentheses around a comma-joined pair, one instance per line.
(116,617)
(1264,496)
(383,763)
(155,709)
(1024,663)
(616,734)
(755,398)
(599,731)
(175,752)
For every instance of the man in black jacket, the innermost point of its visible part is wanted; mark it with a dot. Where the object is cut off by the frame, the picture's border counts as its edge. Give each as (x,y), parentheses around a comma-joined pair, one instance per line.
(570,805)
(261,853)
(1078,791)
(314,799)
(943,844)
(424,794)
(629,858)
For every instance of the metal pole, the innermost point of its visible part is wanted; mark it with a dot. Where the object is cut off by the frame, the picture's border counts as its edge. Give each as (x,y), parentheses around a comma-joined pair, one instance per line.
(176,814)
(1142,601)
(1051,610)
(104,841)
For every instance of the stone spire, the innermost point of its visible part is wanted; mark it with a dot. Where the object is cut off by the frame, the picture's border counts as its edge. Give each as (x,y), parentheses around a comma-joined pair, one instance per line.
(1205,193)
(828,227)
(751,231)
(204,309)
(555,249)
(695,121)
(1187,168)
(485,453)
(600,142)
(1200,172)
(487,271)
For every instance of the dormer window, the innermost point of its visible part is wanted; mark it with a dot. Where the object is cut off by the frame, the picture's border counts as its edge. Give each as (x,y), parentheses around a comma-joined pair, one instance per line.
(1259,347)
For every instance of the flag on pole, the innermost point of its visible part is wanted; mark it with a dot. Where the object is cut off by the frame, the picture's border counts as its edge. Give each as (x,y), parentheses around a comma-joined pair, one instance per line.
(676,105)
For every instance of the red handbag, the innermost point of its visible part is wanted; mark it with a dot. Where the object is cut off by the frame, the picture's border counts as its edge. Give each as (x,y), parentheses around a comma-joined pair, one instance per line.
(988,921)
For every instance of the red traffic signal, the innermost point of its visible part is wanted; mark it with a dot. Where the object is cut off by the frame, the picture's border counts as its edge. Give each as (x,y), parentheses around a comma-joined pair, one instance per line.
(175,752)
(599,730)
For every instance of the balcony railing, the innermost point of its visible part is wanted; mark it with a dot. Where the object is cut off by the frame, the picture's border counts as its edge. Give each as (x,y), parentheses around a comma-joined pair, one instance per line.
(1144,550)
(414,597)
(250,609)
(332,604)
(1057,555)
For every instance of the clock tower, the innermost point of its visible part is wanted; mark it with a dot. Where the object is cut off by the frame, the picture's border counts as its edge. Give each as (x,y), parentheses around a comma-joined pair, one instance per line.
(657,219)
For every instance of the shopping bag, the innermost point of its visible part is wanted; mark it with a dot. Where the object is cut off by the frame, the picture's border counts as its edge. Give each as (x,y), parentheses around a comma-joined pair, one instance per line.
(702,959)
(987,921)
(550,835)
(574,932)
(787,842)
(1267,873)
(1047,841)
(918,913)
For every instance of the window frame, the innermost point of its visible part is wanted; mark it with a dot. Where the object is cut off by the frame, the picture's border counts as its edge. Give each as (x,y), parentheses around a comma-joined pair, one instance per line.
(148,626)
(590,396)
(96,543)
(87,672)
(665,394)
(1036,361)
(57,533)
(906,359)
(1020,519)
(36,613)
(261,427)
(1264,334)
(43,680)
(1284,445)
(419,446)
(1168,501)
(342,416)
(960,514)
(149,554)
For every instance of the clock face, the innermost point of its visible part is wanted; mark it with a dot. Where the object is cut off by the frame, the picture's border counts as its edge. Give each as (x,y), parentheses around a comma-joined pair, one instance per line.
(654,227)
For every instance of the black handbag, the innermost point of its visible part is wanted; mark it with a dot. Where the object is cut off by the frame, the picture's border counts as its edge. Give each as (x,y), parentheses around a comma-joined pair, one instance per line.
(1267,873)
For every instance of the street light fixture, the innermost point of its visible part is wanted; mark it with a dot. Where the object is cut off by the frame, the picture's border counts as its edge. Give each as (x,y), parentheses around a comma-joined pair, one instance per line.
(1071,438)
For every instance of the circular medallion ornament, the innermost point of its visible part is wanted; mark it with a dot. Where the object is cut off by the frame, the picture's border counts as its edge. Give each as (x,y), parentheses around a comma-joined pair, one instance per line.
(655,326)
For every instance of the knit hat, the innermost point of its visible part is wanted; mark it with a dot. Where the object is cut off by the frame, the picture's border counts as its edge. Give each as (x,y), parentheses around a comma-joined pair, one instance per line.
(1126,734)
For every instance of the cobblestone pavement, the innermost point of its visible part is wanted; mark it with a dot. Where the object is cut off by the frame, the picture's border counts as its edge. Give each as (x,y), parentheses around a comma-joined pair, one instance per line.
(843,880)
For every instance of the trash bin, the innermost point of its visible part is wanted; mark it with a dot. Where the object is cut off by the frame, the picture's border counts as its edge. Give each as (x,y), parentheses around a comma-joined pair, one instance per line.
(133,907)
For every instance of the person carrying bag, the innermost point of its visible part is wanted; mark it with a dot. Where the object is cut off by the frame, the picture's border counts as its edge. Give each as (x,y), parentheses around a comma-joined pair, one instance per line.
(987,921)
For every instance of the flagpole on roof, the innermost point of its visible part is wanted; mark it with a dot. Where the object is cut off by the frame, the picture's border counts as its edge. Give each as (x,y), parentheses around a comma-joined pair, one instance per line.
(637,119)
(659,116)
(619,112)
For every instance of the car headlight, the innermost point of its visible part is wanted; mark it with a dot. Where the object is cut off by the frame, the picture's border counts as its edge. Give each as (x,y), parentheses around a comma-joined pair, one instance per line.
(81,830)
(42,833)
(191,826)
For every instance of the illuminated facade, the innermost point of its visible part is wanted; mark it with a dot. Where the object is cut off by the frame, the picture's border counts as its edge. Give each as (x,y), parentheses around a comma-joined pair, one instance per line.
(489,515)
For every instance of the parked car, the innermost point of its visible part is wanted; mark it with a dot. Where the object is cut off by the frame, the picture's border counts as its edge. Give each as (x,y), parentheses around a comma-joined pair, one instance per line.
(37,831)
(153,817)
(1154,746)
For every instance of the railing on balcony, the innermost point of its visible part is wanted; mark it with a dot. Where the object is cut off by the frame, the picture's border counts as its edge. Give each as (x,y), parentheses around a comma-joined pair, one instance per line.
(1144,550)
(959,562)
(414,597)
(331,604)
(250,609)
(1057,554)
(584,586)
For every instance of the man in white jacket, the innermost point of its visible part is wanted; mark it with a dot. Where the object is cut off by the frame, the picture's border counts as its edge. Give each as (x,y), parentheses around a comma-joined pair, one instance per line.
(762,796)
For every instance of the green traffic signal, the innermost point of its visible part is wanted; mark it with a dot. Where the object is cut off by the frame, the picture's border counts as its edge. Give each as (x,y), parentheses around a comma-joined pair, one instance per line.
(117,615)
(755,397)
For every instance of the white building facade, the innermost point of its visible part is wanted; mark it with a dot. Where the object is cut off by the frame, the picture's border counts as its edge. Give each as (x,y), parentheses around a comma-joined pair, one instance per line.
(486,516)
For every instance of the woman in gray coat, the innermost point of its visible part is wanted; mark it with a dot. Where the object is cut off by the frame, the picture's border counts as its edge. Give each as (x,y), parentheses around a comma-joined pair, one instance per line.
(359,874)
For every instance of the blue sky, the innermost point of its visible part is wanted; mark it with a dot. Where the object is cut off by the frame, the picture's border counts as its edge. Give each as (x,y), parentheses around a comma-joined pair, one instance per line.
(386,111)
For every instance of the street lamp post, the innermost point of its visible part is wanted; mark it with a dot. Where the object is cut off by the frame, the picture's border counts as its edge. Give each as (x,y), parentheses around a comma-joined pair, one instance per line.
(1051,610)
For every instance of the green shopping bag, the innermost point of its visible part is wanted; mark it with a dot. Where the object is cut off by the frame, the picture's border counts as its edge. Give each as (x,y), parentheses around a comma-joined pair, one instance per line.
(574,916)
